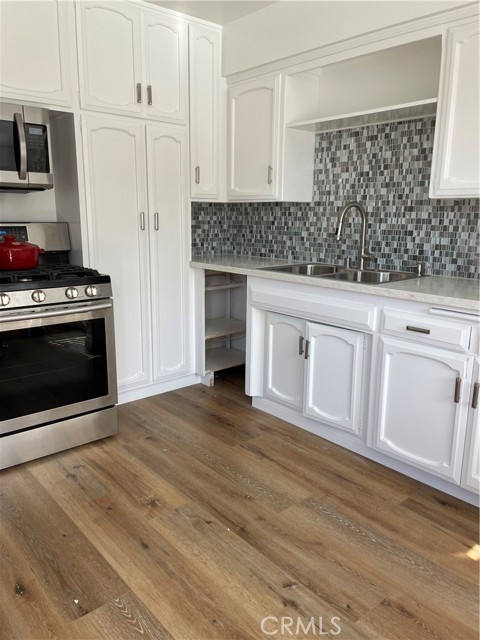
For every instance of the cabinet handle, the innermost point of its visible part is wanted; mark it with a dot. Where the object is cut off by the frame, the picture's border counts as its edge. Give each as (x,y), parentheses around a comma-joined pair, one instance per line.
(142,221)
(22,141)
(307,348)
(149,94)
(270,173)
(155,221)
(476,388)
(300,346)
(458,389)
(197,174)
(418,329)
(139,92)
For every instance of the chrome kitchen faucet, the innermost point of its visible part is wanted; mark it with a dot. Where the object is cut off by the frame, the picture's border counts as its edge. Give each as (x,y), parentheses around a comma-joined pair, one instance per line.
(363,254)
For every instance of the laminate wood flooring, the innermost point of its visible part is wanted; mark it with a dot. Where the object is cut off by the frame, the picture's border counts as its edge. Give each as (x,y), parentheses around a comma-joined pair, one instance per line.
(206,519)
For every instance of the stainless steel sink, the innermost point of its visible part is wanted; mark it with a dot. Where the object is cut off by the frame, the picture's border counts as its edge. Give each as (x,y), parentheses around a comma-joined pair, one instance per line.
(334,272)
(306,269)
(371,277)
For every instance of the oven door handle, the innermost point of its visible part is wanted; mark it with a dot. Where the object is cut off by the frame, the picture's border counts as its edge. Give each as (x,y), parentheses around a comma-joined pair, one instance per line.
(55,314)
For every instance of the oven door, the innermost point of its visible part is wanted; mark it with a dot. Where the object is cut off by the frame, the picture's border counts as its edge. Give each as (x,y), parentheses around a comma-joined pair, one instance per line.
(55,363)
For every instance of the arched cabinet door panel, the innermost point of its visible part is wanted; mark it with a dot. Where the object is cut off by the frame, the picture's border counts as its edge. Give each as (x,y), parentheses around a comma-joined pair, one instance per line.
(422,406)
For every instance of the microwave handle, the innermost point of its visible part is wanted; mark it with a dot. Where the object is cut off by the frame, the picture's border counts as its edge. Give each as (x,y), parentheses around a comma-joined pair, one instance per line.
(22,174)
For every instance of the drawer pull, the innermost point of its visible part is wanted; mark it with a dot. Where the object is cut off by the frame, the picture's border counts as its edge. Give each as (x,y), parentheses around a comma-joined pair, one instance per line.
(418,329)
(476,388)
(139,92)
(300,346)
(307,347)
(149,94)
(458,389)
(269,174)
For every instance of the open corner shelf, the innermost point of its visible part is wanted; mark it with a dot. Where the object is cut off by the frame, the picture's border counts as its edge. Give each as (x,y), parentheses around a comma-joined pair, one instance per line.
(380,115)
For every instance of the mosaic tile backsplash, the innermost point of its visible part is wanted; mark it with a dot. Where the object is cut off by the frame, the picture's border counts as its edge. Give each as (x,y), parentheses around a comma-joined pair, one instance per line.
(386,168)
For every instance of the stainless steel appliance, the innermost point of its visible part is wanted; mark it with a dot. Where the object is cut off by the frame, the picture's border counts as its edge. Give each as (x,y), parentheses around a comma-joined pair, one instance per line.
(58,385)
(25,163)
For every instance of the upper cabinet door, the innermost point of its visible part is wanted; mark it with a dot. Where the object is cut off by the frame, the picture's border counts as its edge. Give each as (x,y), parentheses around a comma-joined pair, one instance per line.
(455,164)
(34,51)
(110,57)
(204,48)
(166,71)
(253,139)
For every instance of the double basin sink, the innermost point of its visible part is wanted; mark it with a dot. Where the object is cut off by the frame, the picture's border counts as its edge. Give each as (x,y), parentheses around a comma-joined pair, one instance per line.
(334,272)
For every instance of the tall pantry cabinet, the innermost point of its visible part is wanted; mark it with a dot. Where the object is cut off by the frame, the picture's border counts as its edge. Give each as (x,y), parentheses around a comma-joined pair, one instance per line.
(136,161)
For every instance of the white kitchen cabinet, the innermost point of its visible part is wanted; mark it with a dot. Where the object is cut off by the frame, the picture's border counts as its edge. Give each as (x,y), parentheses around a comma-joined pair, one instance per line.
(137,236)
(34,51)
(254,122)
(167,166)
(456,155)
(316,369)
(471,462)
(166,67)
(333,384)
(422,406)
(132,61)
(205,108)
(266,161)
(116,201)
(284,359)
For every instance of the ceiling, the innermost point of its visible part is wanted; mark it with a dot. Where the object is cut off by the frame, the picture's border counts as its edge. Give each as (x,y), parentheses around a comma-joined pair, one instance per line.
(218,11)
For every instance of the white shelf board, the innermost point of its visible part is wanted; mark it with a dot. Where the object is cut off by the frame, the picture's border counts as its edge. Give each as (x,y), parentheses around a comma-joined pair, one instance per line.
(219,287)
(393,113)
(220,327)
(223,358)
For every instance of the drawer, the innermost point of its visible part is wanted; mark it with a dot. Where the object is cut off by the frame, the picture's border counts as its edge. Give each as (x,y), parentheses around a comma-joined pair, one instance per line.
(443,333)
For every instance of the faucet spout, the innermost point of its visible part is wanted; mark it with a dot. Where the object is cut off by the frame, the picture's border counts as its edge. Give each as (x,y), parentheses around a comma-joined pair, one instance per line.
(363,254)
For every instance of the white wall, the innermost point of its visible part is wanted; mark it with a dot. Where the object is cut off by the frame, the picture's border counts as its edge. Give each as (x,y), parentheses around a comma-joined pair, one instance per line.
(36,206)
(289,27)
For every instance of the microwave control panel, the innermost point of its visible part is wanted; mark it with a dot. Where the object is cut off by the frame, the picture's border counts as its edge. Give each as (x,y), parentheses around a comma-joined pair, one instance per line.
(37,146)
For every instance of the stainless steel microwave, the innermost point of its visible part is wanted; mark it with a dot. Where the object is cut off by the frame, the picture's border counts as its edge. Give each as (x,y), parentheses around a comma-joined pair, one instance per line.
(25,163)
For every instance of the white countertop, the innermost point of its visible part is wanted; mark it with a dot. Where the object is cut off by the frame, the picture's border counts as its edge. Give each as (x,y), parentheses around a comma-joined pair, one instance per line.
(458,293)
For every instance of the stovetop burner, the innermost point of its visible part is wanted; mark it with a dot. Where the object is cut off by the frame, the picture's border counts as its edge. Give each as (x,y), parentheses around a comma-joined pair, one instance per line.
(48,272)
(47,276)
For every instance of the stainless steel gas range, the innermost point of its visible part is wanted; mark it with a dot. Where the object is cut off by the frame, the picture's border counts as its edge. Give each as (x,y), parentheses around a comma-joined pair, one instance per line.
(58,385)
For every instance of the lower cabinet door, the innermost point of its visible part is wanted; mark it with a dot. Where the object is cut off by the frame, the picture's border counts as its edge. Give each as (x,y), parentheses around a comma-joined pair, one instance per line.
(333,392)
(422,407)
(167,167)
(115,174)
(284,360)
(471,461)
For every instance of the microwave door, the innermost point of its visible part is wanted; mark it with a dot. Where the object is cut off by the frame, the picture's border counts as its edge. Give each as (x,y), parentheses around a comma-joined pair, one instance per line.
(38,148)
(13,149)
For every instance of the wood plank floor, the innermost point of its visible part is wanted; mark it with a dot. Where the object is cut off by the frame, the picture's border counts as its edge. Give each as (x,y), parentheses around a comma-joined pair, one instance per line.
(206,519)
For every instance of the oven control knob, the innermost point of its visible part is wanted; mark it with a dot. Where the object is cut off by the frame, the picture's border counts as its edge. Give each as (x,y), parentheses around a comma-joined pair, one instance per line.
(38,295)
(4,299)
(71,293)
(91,291)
